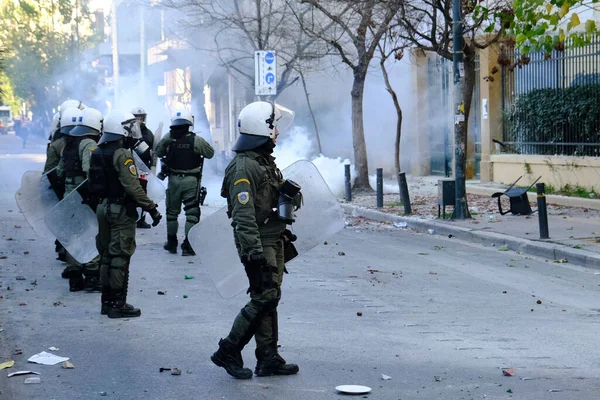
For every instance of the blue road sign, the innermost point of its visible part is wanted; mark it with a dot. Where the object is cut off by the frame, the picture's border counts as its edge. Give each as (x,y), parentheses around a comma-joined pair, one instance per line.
(269,78)
(269,58)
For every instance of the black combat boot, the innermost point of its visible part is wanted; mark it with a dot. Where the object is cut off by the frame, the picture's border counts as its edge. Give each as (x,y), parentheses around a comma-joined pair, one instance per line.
(171,244)
(186,248)
(142,224)
(269,362)
(92,284)
(69,273)
(105,300)
(119,308)
(76,282)
(230,357)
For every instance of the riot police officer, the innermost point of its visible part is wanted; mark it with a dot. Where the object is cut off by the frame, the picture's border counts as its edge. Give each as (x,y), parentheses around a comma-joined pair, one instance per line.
(184,155)
(113,178)
(73,168)
(252,186)
(146,155)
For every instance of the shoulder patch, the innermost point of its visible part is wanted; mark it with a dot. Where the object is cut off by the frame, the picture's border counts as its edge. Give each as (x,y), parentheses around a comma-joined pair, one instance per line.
(92,148)
(133,170)
(241,181)
(243,197)
(128,161)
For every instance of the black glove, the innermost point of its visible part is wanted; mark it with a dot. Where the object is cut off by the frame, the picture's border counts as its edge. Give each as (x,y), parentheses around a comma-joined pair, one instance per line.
(255,260)
(156,216)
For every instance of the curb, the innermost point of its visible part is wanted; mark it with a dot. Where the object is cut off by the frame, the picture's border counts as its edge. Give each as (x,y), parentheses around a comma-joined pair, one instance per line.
(567,201)
(548,250)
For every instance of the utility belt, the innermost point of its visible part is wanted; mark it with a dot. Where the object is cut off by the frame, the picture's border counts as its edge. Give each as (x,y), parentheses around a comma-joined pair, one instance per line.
(128,203)
(71,178)
(183,174)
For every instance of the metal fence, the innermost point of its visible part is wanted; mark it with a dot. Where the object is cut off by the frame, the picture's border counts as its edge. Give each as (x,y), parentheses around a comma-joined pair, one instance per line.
(551,104)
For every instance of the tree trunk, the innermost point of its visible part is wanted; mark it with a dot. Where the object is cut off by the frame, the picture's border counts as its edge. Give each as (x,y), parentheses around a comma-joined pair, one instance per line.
(358,130)
(461,209)
(392,93)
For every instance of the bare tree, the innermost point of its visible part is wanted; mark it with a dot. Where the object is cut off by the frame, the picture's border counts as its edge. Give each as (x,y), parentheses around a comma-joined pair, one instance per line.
(355,28)
(427,24)
(390,46)
(241,27)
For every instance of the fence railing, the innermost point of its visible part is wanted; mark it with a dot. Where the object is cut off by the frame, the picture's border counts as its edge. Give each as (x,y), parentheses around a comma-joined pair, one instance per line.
(551,103)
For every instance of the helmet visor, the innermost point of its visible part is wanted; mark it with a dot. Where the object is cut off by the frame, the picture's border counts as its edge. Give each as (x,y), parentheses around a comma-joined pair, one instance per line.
(82,130)
(283,117)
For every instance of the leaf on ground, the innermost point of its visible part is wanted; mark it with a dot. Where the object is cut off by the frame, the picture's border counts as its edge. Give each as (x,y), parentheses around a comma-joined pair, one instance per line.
(503,248)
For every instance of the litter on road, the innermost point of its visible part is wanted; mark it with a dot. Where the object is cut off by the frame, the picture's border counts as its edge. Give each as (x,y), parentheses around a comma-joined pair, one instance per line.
(353,389)
(7,364)
(35,380)
(385,377)
(46,359)
(23,373)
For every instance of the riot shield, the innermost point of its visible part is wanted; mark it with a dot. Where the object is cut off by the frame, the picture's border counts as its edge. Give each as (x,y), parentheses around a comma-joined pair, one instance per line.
(155,188)
(75,226)
(35,198)
(320,217)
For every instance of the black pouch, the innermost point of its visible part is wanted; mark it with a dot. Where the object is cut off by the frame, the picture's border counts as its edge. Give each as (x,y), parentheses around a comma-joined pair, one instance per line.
(289,251)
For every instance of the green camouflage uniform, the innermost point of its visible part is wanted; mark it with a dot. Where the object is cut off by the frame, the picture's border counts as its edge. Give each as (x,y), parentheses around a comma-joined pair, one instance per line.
(86,146)
(117,218)
(251,185)
(183,184)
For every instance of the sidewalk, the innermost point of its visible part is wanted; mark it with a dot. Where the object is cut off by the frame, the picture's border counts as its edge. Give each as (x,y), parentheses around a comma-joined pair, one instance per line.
(574,231)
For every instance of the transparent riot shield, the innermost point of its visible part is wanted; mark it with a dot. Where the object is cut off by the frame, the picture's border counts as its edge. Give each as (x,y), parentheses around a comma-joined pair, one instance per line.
(320,217)
(35,198)
(155,188)
(75,226)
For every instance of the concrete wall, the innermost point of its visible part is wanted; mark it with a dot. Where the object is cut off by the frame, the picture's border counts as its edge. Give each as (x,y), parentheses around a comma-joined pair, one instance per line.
(555,170)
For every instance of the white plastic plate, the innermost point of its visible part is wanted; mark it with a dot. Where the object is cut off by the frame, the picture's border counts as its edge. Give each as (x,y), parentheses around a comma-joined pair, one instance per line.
(353,389)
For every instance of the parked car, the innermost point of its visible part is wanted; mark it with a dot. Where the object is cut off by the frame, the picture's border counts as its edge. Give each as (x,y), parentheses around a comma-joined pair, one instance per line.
(6,120)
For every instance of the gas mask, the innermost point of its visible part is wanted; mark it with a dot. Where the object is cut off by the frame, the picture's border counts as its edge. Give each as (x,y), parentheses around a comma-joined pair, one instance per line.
(141,148)
(134,133)
(290,200)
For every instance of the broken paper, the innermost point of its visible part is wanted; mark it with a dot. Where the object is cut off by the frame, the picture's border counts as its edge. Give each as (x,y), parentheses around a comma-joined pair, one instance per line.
(46,359)
(29,381)
(23,373)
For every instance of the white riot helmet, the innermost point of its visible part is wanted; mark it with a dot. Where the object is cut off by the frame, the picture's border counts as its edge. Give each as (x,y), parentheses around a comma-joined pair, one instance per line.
(181,117)
(68,119)
(140,113)
(119,125)
(257,124)
(89,122)
(71,103)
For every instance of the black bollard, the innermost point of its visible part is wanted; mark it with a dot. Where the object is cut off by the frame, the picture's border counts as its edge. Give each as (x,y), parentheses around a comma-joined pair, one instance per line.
(542,211)
(404,193)
(379,187)
(348,183)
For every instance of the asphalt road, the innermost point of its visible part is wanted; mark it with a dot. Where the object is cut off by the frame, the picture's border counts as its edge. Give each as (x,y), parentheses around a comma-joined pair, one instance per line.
(429,307)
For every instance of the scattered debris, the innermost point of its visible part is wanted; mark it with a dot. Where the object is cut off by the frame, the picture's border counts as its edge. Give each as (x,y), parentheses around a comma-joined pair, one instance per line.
(53,348)
(437,247)
(17,352)
(539,302)
(341,253)
(25,252)
(400,224)
(20,278)
(7,364)
(561,261)
(373,270)
(102,393)
(162,292)
(3,257)
(34,380)
(504,291)
(189,277)
(554,390)
(526,378)
(385,377)
(46,359)
(432,273)
(423,254)
(503,248)
(437,378)
(430,231)
(57,303)
(325,243)
(185,296)
(67,365)
(175,371)
(22,303)
(23,373)
(509,391)
(359,314)
(18,226)
(508,371)
(34,282)
(10,238)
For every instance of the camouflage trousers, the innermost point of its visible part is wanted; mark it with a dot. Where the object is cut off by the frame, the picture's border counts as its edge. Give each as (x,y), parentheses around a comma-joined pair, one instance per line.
(258,318)
(182,190)
(115,243)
